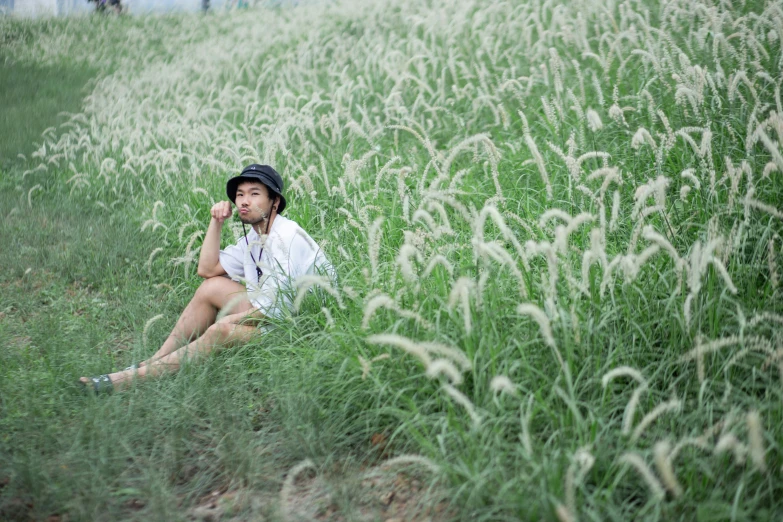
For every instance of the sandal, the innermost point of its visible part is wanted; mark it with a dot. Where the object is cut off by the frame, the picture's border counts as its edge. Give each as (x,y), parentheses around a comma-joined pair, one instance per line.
(100,385)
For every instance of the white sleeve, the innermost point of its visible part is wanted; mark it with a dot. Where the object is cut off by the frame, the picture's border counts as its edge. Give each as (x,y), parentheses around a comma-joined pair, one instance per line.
(232,259)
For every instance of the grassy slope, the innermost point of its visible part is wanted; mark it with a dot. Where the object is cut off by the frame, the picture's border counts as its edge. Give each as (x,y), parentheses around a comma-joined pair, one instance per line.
(323,410)
(75,294)
(32,98)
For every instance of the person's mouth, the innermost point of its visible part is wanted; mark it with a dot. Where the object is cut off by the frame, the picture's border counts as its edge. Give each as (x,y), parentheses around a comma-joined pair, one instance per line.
(244,211)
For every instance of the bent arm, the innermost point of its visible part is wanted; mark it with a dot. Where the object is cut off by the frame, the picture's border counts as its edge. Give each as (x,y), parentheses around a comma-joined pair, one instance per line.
(209,257)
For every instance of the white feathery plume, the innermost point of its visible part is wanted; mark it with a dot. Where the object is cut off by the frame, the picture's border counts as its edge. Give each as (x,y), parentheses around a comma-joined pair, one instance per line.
(774,280)
(672,405)
(502,384)
(434,261)
(384,301)
(152,257)
(656,188)
(594,122)
(460,292)
(367,365)
(615,210)
(147,327)
(408,251)
(581,463)
(411,459)
(404,344)
(490,211)
(457,356)
(524,420)
(623,371)
(328,315)
(756,440)
(645,472)
(688,174)
(765,317)
(463,401)
(729,442)
(539,160)
(641,137)
(496,252)
(288,483)
(564,514)
(446,367)
(630,408)
(663,463)
(374,245)
(305,282)
(553,213)
(539,317)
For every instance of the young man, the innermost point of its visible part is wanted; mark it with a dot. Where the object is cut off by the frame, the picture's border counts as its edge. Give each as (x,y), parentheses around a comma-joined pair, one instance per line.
(267,259)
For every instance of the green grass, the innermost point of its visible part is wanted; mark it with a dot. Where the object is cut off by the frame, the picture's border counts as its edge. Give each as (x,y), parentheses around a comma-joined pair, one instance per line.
(184,106)
(32,97)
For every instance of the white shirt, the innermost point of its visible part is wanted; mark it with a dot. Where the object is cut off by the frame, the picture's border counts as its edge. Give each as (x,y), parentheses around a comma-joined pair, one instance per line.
(288,252)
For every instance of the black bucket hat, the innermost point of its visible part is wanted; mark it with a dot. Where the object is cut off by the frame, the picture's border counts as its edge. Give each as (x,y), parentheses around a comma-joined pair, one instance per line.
(262,173)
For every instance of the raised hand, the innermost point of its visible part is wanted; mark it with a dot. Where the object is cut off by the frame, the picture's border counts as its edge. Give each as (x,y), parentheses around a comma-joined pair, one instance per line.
(221,210)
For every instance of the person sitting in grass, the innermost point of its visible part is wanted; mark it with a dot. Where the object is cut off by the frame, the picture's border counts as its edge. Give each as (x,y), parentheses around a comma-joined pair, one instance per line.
(274,253)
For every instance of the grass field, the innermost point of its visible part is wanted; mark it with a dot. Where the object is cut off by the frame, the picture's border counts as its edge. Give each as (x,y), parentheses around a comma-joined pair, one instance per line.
(557,231)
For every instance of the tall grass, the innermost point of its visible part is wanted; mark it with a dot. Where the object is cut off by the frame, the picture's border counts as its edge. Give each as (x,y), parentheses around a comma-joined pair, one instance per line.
(556,226)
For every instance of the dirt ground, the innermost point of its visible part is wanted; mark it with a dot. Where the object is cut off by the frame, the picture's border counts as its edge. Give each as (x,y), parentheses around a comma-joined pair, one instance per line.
(375,494)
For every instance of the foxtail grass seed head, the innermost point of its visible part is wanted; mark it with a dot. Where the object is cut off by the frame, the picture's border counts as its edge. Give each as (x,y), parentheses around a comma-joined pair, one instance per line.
(564,514)
(304,283)
(461,399)
(539,317)
(375,303)
(641,467)
(374,245)
(774,279)
(525,413)
(673,405)
(147,326)
(756,440)
(581,463)
(403,460)
(630,408)
(663,464)
(288,484)
(152,257)
(729,442)
(404,344)
(502,384)
(455,355)
(594,122)
(623,371)
(444,367)
(408,252)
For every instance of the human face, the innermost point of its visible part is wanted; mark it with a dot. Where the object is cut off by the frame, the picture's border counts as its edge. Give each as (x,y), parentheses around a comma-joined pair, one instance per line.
(253,202)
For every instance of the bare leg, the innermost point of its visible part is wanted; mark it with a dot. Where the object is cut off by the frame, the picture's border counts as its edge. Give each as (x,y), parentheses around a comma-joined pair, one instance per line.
(214,294)
(217,336)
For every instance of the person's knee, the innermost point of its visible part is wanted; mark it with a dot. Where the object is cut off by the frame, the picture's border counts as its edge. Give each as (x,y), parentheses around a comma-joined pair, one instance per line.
(220,331)
(212,286)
